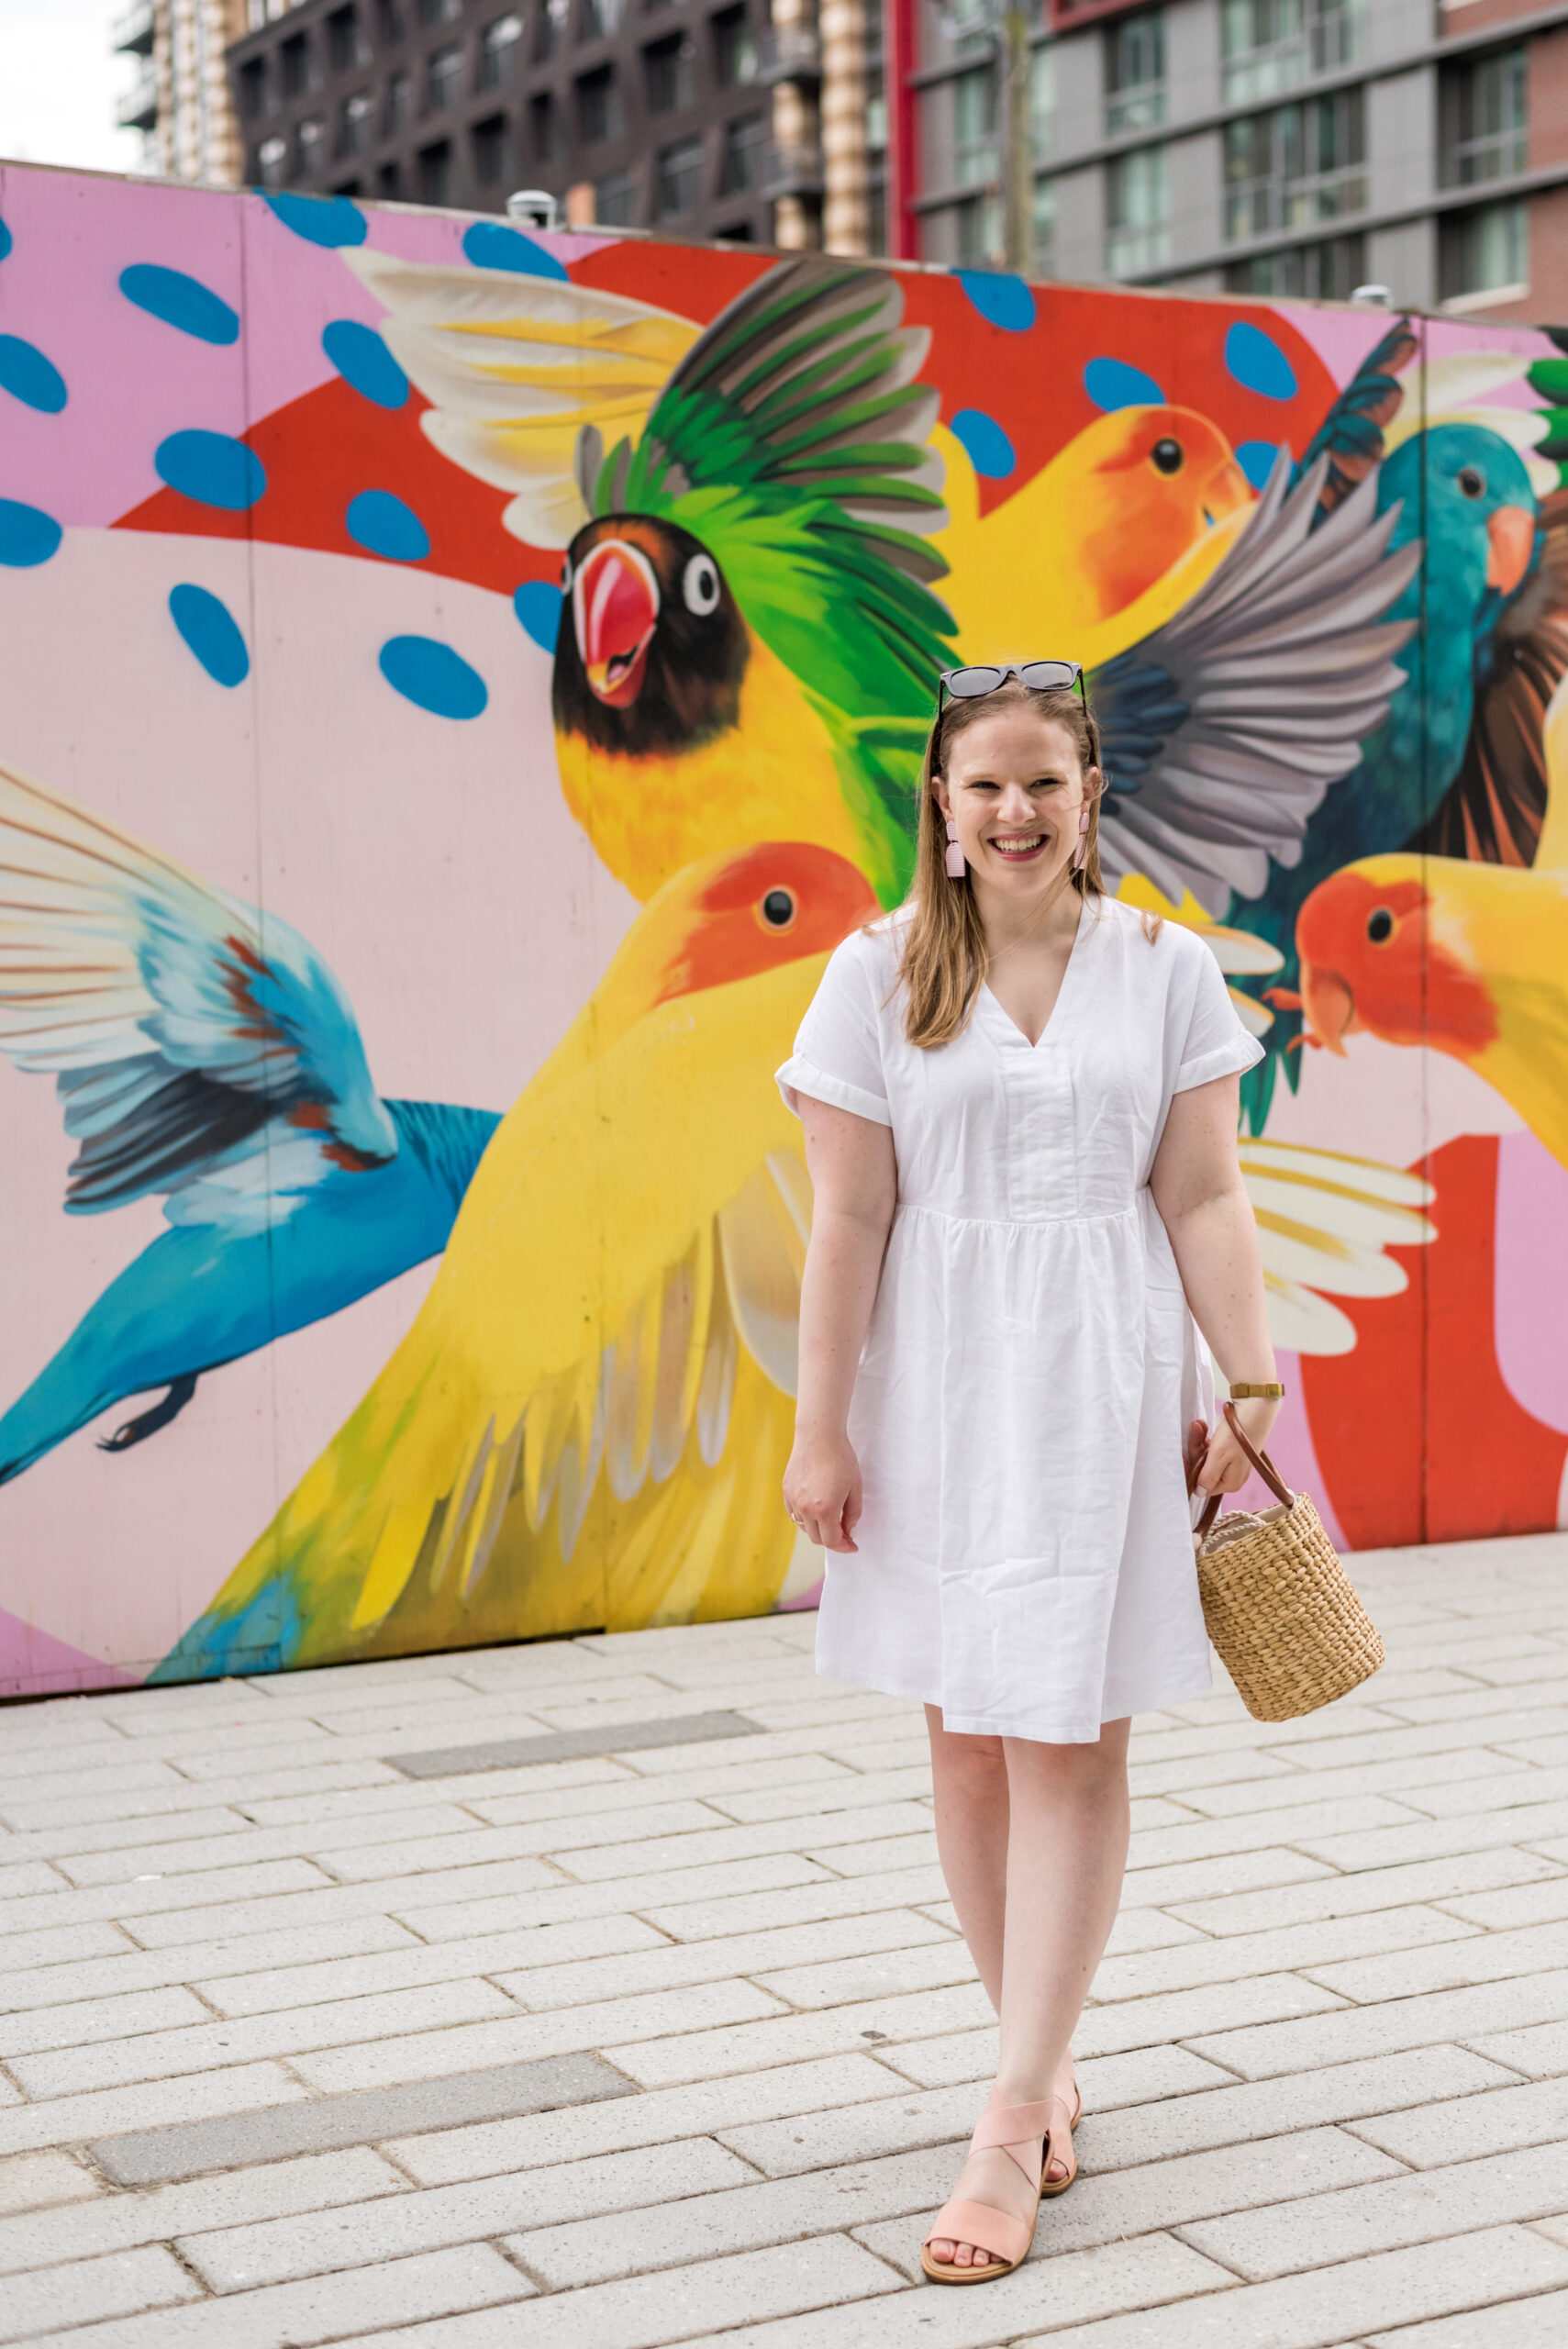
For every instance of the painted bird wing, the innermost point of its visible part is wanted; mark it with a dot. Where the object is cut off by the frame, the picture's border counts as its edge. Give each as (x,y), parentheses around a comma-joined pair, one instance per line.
(1351,440)
(201,1049)
(1325,1223)
(1224,730)
(590,1414)
(515,367)
(791,439)
(1494,809)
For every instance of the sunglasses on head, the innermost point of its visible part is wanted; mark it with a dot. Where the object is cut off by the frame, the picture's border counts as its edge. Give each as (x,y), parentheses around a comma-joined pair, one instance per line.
(985,676)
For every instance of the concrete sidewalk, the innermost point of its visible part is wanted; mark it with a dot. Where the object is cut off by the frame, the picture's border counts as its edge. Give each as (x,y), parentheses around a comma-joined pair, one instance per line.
(325,2017)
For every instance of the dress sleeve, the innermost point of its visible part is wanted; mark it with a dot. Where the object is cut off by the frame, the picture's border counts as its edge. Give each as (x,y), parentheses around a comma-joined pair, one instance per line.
(1216,1043)
(837,1052)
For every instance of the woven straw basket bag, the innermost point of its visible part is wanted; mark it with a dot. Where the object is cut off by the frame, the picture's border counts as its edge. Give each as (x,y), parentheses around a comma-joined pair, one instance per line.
(1281,1609)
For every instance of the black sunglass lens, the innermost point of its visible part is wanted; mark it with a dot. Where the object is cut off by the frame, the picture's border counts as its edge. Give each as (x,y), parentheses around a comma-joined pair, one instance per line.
(967,685)
(1048,676)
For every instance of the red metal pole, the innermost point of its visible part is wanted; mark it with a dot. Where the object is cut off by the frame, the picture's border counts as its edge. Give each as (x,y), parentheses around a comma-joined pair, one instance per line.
(903,151)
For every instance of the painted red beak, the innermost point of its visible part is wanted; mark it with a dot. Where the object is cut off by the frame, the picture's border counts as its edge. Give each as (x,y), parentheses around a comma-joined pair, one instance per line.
(1512,534)
(1329,1006)
(615,609)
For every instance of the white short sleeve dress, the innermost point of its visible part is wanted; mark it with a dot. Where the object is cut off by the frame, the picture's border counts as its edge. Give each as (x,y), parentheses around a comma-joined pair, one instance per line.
(1025,1557)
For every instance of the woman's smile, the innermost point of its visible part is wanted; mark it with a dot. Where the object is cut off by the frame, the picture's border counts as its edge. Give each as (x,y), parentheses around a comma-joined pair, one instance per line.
(1021,849)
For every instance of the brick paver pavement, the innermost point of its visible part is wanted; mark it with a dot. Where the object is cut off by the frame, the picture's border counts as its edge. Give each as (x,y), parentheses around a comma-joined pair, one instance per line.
(332,2009)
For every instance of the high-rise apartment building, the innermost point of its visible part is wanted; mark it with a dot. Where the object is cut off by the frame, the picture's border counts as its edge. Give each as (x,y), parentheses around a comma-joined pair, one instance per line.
(689,118)
(180,99)
(1301,147)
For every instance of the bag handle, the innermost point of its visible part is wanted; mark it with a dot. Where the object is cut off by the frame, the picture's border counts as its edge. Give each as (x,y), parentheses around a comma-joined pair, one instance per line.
(1260,1461)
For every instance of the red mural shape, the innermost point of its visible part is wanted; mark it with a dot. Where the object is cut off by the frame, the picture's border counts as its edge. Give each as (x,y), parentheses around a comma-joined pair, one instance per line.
(1424,1380)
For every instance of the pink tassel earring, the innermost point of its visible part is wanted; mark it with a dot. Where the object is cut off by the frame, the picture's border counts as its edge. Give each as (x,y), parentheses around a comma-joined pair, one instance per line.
(958,864)
(1082,850)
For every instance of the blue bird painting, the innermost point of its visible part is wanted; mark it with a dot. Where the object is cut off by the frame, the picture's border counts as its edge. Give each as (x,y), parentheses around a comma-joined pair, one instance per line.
(205,1054)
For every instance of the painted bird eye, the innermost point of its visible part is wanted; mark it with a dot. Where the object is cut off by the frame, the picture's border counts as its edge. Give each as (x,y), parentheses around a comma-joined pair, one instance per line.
(566,575)
(1380,926)
(699,585)
(1472,481)
(1167,456)
(778,908)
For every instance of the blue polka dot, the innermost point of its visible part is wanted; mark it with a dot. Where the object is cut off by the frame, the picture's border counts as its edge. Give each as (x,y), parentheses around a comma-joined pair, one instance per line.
(538,605)
(1256,459)
(990,451)
(489,244)
(212,633)
(7,240)
(363,360)
(320,219)
(212,468)
(1001,300)
(182,302)
(27,536)
(1112,384)
(28,376)
(432,676)
(382,524)
(1258,363)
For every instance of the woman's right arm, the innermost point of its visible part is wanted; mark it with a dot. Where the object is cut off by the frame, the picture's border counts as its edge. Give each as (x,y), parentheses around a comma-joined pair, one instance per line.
(854,1179)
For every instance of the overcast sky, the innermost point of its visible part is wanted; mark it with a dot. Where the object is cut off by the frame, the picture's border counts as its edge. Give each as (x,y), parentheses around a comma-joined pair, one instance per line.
(59,82)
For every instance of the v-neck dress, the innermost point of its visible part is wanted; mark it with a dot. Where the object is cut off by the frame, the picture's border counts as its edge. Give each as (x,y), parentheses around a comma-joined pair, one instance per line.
(1025,1555)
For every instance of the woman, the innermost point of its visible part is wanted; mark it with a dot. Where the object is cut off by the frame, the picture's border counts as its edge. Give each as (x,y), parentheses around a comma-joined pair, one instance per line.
(1020,1104)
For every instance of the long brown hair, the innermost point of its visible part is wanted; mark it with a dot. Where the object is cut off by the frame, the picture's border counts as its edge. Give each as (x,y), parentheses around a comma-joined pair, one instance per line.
(944,952)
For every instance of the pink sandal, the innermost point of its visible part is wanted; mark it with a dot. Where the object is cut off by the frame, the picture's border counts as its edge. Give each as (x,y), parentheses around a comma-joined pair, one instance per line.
(1005,2239)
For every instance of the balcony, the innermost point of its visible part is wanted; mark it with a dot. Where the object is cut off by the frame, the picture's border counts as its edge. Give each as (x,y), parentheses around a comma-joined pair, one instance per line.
(132,30)
(792,170)
(138,110)
(789,53)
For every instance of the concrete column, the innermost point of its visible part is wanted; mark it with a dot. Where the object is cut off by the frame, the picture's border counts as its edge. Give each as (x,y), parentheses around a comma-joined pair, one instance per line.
(844,222)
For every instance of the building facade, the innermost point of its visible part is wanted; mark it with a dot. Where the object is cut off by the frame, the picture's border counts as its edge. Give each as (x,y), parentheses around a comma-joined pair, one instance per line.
(702,118)
(1302,147)
(179,100)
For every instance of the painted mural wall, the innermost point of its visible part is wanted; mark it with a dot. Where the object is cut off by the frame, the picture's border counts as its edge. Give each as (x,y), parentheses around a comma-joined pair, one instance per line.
(455,689)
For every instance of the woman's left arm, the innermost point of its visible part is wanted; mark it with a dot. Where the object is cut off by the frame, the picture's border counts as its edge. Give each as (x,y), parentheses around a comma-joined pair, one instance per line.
(1198,1188)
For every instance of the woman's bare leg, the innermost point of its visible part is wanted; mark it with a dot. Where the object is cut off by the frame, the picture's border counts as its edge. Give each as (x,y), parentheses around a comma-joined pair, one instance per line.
(969,1779)
(1066,1845)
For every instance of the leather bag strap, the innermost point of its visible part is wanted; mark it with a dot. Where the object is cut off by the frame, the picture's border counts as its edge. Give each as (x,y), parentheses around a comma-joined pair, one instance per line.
(1260,1461)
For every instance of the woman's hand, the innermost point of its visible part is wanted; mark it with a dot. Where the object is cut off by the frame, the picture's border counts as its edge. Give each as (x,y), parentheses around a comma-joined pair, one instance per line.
(822,1489)
(1226,1466)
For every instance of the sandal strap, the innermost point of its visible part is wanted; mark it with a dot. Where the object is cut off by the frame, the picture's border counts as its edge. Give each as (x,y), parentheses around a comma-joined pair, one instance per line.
(988,2229)
(1009,2126)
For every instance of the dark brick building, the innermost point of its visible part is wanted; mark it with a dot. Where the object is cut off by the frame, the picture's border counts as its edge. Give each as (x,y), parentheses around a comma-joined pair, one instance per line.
(651,114)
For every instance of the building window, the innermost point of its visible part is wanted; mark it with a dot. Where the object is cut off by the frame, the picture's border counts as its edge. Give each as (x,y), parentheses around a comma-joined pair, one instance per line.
(541,128)
(968,24)
(355,120)
(1484,114)
(1328,271)
(489,140)
(599,20)
(1483,251)
(438,12)
(443,80)
(1271,46)
(598,107)
(735,46)
(388,22)
(615,200)
(389,182)
(1302,162)
(344,47)
(877,134)
(977,230)
(1042,227)
(1138,213)
(974,126)
(436,172)
(497,51)
(740,168)
(253,88)
(271,157)
(549,24)
(398,104)
(310,140)
(1042,103)
(1135,72)
(677,179)
(295,55)
(672,76)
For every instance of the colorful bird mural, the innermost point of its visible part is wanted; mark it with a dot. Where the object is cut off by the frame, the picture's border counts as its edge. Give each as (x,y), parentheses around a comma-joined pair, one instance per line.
(204,1054)
(588,1419)
(1467,957)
